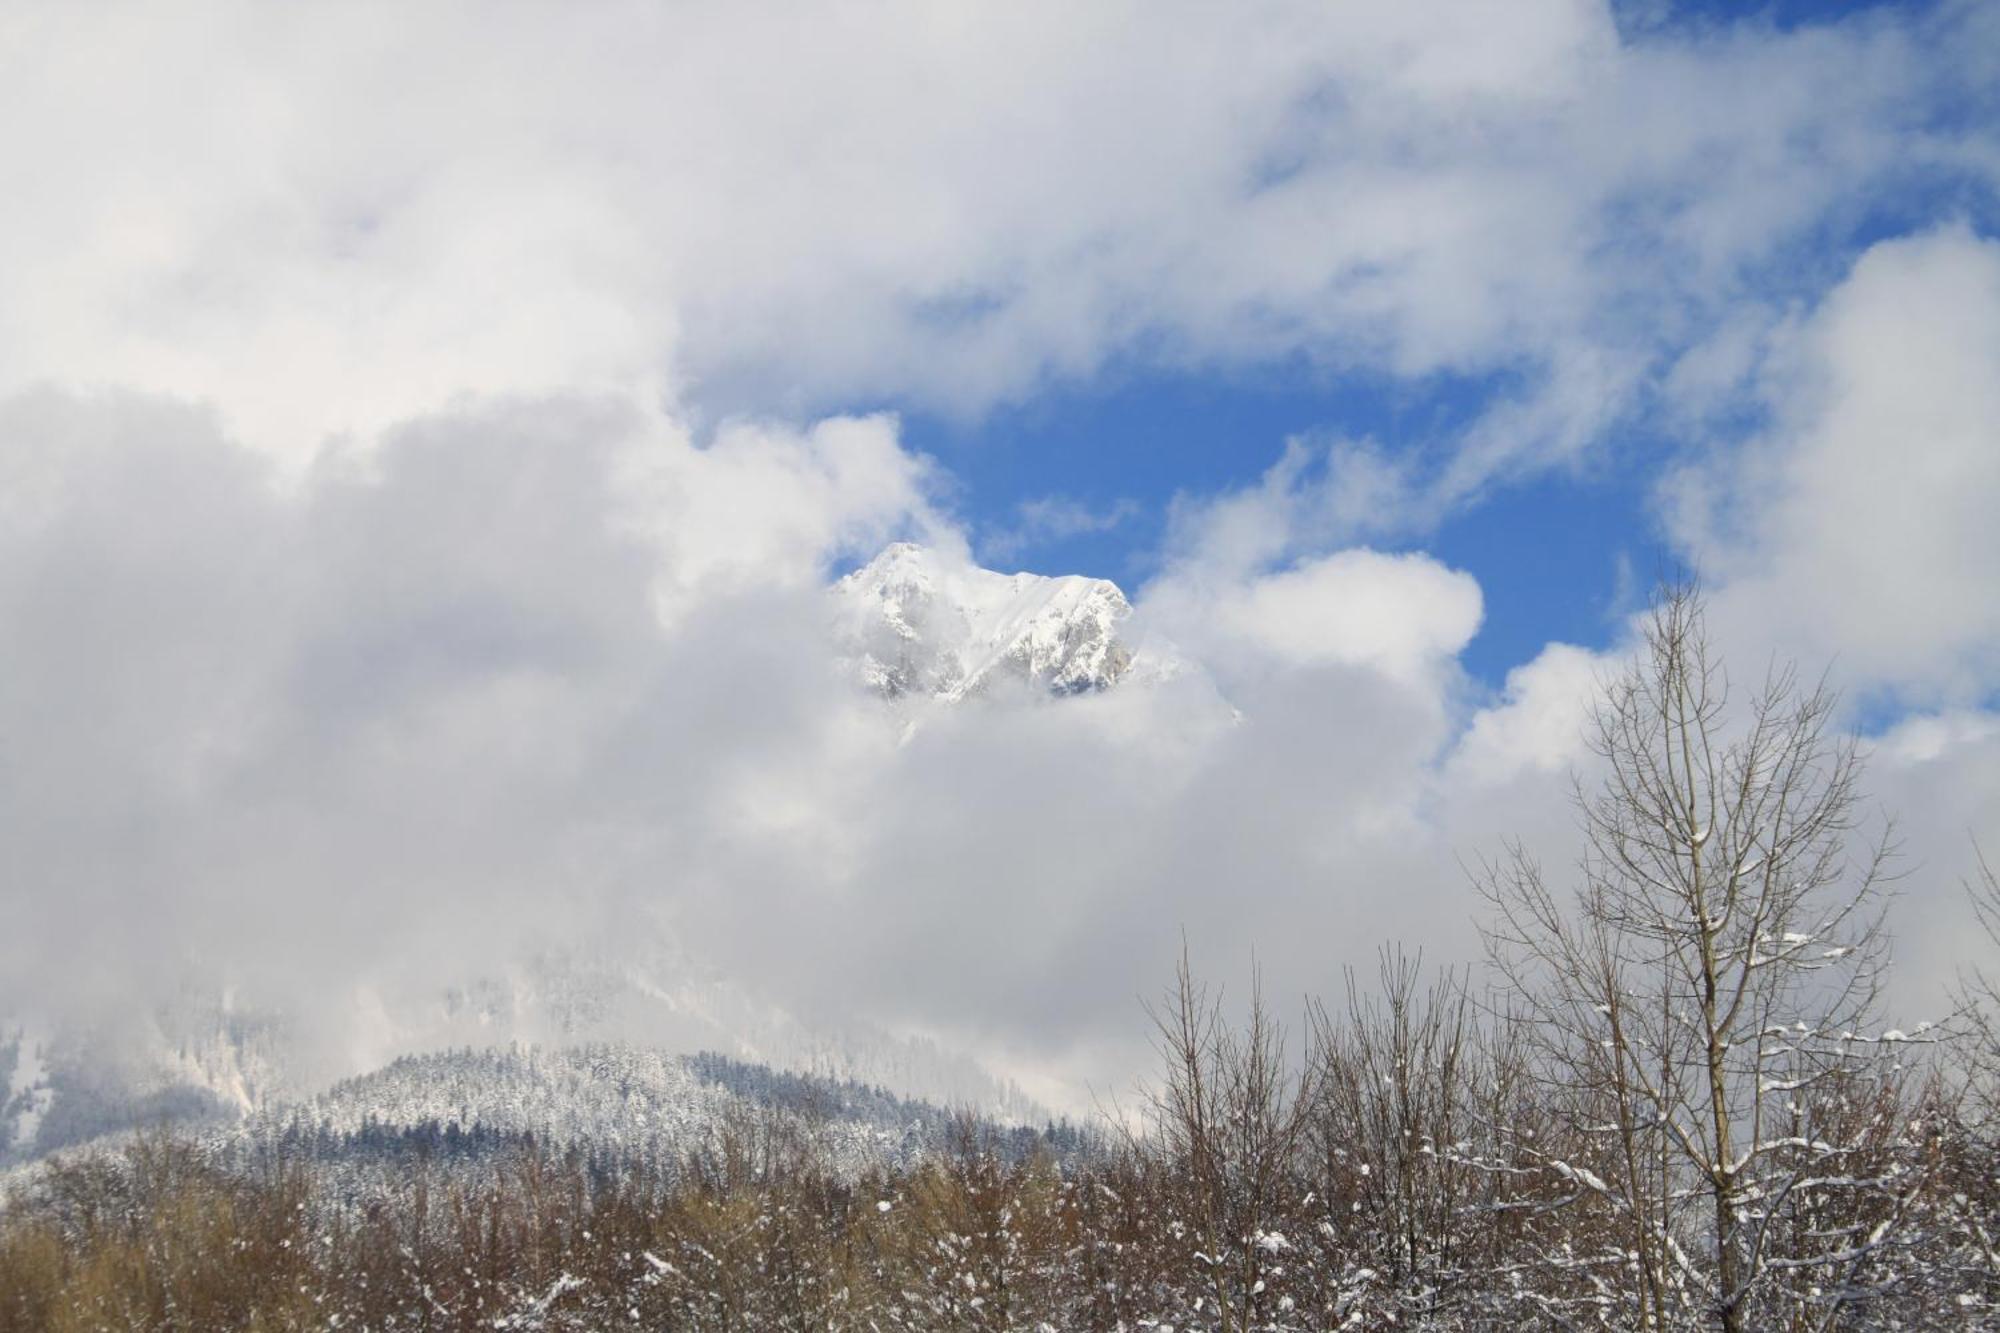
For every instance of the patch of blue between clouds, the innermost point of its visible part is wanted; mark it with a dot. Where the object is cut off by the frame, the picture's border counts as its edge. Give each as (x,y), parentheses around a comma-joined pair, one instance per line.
(1876,713)
(1560,555)
(1641,17)
(1554,554)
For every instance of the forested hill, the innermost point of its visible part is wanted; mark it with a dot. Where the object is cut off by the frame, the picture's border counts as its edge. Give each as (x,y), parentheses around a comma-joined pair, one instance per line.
(623,1107)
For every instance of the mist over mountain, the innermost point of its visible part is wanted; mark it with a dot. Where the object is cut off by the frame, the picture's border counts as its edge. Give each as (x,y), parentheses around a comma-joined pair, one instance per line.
(203,1063)
(912,623)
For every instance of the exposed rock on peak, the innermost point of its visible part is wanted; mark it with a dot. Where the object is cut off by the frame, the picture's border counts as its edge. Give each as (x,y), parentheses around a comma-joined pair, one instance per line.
(917,623)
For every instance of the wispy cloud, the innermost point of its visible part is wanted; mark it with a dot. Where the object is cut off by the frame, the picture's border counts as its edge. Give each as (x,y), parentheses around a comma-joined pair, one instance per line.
(1053,518)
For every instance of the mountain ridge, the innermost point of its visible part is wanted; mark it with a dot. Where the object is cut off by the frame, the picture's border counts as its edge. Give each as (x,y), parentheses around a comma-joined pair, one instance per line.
(916,622)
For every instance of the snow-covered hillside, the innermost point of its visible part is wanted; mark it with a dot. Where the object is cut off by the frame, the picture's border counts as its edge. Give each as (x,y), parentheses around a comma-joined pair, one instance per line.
(208,1062)
(617,1104)
(471,1112)
(24,1076)
(193,1059)
(916,622)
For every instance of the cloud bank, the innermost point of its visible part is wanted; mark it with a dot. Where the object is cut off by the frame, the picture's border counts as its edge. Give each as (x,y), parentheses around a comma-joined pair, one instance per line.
(480,690)
(425,437)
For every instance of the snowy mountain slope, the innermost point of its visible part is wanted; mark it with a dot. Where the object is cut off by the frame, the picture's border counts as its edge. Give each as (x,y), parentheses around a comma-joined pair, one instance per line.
(194,1062)
(471,1113)
(618,1103)
(191,1060)
(24,1075)
(915,622)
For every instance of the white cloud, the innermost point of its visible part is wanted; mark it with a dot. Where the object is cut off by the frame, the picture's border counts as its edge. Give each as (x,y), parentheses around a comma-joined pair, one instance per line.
(763,504)
(1928,737)
(417,711)
(1860,524)
(332,219)
(1319,494)
(432,689)
(1262,577)
(1538,722)
(1400,614)
(1938,775)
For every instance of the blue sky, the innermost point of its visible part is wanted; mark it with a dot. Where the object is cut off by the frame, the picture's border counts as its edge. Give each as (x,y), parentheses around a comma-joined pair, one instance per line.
(1643,16)
(1561,552)
(1554,553)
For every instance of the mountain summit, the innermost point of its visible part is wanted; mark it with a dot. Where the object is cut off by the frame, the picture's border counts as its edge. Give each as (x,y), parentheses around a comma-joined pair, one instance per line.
(917,623)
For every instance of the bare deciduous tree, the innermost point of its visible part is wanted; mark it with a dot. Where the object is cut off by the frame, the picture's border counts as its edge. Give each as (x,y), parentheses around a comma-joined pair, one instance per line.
(1702,1000)
(1232,1113)
(1979,988)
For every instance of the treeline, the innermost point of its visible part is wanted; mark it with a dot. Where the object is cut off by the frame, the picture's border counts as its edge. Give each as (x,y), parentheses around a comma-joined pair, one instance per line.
(820,1099)
(1417,1173)
(1671,1103)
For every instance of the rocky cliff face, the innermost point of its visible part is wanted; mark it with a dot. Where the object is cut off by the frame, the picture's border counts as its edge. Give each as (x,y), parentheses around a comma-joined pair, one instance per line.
(915,623)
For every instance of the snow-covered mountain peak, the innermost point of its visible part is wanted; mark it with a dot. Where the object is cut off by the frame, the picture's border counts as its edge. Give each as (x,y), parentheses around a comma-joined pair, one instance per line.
(915,621)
